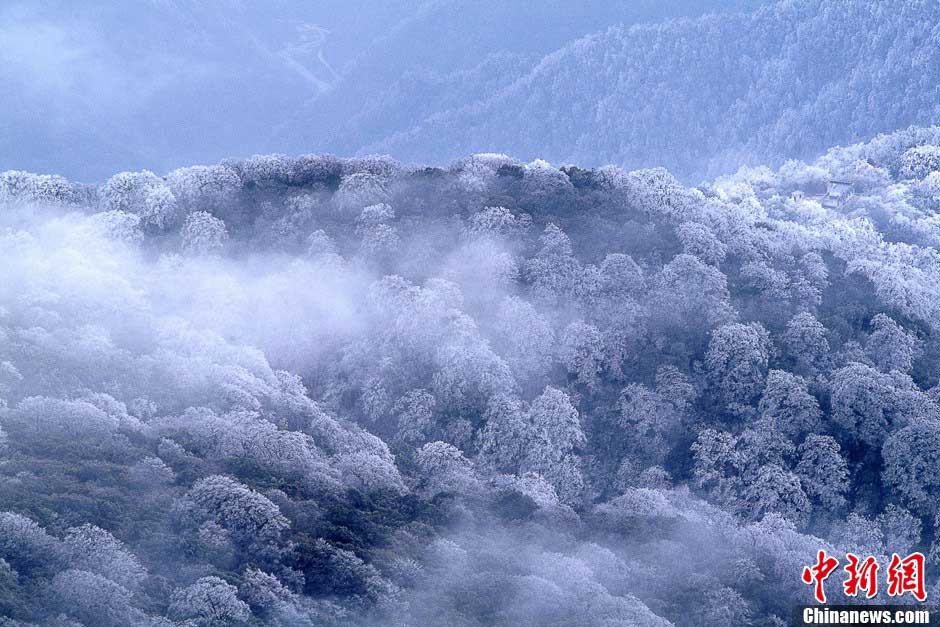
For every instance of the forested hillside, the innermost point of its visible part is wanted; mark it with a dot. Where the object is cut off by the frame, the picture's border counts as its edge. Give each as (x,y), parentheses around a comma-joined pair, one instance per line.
(698,96)
(310,390)
(451,56)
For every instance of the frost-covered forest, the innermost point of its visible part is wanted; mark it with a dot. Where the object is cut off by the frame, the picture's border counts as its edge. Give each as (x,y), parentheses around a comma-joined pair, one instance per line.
(606,313)
(700,96)
(312,390)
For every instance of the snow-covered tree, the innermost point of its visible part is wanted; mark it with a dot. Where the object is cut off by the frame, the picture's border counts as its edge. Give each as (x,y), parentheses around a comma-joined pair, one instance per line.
(864,403)
(93,598)
(210,601)
(805,339)
(553,272)
(525,337)
(690,297)
(143,194)
(26,546)
(91,549)
(787,405)
(203,188)
(823,472)
(737,359)
(776,490)
(912,465)
(445,469)
(890,346)
(203,234)
(901,529)
(250,517)
(698,240)
(581,351)
(360,190)
(649,422)
(918,162)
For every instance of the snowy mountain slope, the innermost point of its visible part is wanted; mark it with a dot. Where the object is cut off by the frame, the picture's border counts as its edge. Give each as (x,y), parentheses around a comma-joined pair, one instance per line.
(702,96)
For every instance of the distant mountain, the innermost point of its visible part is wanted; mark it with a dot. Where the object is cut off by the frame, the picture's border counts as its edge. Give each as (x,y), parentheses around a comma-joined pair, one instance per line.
(699,95)
(451,56)
(699,87)
(103,87)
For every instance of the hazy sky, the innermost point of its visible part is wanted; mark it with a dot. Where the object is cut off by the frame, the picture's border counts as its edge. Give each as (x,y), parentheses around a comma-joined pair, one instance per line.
(97,86)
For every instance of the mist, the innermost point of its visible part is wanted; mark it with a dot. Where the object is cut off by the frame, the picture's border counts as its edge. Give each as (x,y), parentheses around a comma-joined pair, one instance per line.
(324,390)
